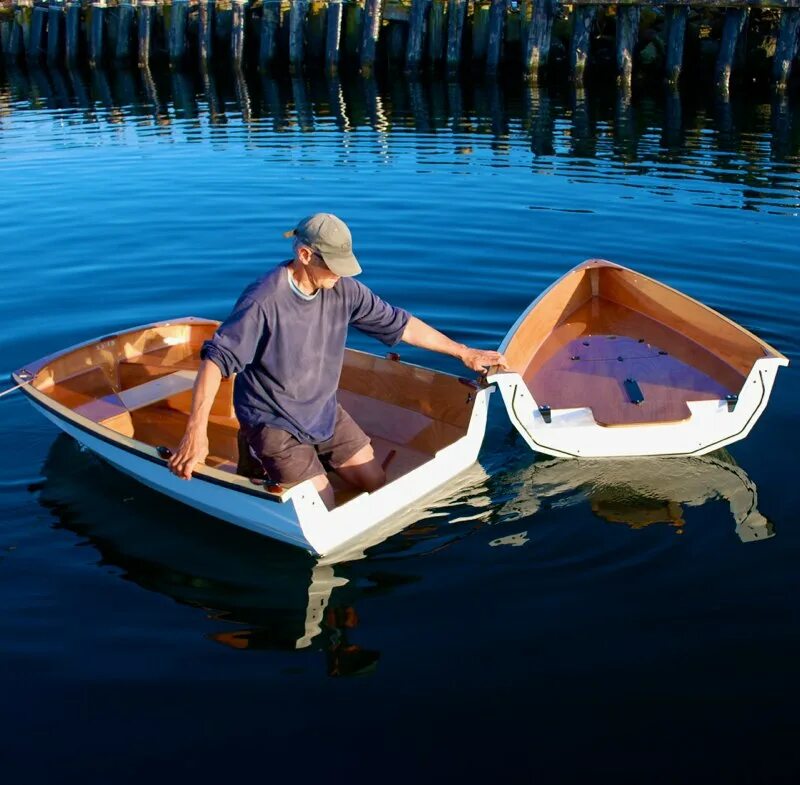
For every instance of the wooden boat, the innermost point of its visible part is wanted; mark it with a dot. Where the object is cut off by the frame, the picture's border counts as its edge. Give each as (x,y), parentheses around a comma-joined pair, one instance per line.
(605,363)
(608,363)
(127,396)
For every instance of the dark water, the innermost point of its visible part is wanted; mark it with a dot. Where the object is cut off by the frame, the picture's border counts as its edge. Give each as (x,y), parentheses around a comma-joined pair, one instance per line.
(549,621)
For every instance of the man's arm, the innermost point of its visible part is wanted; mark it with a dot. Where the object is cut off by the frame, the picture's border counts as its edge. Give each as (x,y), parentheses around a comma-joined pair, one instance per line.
(417,333)
(193,448)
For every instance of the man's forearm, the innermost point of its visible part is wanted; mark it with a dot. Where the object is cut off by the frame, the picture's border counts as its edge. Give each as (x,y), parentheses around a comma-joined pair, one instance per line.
(417,333)
(205,391)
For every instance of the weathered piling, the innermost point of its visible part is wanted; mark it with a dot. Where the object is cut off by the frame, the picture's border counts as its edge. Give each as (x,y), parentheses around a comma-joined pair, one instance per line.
(96,32)
(147,12)
(437,32)
(72,32)
(457,12)
(416,35)
(333,35)
(627,35)
(297,19)
(176,38)
(786,48)
(487,34)
(583,19)
(537,42)
(125,16)
(675,17)
(238,17)
(270,25)
(35,45)
(205,22)
(497,19)
(369,34)
(55,31)
(735,19)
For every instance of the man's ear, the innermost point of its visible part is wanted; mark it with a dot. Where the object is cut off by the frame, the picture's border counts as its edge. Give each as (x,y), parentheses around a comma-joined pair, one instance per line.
(304,255)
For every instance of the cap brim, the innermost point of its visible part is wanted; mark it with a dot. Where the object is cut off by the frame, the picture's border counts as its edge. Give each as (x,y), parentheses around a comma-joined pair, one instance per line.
(344,265)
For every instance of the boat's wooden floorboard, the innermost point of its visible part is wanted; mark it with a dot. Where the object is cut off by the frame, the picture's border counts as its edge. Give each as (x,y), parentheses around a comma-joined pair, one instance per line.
(160,425)
(586,361)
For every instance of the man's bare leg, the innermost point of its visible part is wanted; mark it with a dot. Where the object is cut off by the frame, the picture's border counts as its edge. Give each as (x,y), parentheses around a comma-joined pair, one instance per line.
(363,470)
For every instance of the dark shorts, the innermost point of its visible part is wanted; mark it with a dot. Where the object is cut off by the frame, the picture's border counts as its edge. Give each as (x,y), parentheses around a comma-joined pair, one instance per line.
(283,459)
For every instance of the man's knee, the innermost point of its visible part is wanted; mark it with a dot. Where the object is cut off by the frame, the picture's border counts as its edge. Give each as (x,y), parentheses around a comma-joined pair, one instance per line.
(363,470)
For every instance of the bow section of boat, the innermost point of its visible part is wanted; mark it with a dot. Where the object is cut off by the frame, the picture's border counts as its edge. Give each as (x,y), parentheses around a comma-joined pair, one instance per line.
(127,398)
(608,362)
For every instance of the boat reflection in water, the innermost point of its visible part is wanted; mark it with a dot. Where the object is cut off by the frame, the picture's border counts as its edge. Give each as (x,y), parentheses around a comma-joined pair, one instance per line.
(277,597)
(640,491)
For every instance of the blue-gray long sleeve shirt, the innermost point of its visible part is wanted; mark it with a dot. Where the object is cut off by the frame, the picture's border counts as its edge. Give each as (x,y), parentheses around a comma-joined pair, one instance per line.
(287,350)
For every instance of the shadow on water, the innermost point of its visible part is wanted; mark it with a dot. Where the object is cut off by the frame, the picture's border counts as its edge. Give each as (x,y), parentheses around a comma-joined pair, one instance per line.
(714,137)
(266,595)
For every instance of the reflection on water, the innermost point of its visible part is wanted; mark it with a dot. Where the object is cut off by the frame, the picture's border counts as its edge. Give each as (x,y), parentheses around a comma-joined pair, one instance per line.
(266,595)
(754,143)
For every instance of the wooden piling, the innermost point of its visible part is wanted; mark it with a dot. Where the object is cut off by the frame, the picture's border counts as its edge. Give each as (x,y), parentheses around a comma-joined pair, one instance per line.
(147,12)
(416,35)
(627,36)
(537,46)
(333,35)
(437,31)
(55,31)
(456,12)
(497,21)
(176,37)
(480,30)
(205,28)
(20,32)
(270,25)
(583,19)
(97,24)
(35,44)
(297,23)
(786,49)
(675,17)
(239,11)
(72,31)
(125,17)
(369,34)
(735,19)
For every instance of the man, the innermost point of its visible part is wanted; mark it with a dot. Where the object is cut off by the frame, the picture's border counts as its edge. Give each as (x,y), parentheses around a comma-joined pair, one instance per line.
(285,340)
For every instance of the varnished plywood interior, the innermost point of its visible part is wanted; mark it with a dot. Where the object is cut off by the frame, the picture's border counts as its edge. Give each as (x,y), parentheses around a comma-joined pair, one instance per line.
(602,325)
(139,384)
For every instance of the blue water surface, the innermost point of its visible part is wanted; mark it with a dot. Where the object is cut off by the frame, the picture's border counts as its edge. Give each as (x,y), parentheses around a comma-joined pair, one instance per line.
(546,622)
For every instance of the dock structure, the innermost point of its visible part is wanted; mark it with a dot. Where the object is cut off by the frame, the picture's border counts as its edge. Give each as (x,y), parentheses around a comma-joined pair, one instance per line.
(413,36)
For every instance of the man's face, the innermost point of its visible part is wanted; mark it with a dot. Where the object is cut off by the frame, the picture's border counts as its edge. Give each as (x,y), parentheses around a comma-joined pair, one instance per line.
(319,273)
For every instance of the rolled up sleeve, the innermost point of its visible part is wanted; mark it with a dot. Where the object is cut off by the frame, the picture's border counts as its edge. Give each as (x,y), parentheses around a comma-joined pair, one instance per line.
(376,317)
(237,339)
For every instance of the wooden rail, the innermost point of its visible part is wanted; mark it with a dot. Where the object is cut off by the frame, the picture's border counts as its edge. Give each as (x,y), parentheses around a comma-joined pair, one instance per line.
(407,34)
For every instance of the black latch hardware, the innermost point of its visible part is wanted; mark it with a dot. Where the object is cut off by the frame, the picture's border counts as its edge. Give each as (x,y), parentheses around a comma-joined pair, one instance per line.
(547,415)
(634,391)
(731,400)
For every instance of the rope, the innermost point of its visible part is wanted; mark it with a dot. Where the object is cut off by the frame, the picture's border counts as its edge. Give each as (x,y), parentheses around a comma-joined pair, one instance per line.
(12,389)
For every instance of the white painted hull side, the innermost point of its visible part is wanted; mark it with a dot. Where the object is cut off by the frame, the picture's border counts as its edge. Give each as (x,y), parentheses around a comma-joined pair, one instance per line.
(299,518)
(574,433)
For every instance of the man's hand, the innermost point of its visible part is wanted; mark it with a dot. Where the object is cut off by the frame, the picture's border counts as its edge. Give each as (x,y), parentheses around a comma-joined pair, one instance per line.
(479,360)
(192,450)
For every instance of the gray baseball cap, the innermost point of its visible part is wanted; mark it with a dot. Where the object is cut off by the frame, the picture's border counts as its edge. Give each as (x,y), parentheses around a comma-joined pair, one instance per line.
(331,239)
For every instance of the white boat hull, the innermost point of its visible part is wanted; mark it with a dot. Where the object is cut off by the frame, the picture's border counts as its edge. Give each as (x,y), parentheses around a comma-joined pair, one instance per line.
(574,433)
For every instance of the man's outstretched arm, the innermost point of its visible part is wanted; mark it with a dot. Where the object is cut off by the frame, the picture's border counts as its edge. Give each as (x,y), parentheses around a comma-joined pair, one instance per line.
(417,333)
(193,448)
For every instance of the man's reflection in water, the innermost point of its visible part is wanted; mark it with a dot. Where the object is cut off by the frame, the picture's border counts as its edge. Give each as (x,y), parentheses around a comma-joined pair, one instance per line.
(281,599)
